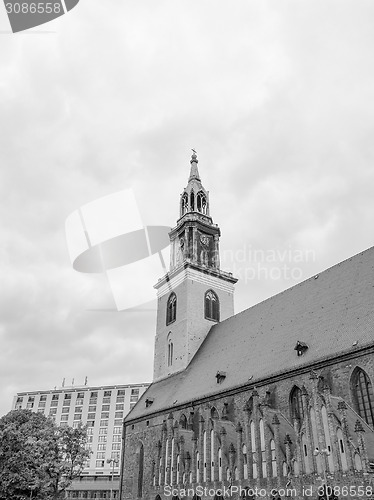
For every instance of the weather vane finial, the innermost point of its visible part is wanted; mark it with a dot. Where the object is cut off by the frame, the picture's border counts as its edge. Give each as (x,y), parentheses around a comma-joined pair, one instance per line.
(194,156)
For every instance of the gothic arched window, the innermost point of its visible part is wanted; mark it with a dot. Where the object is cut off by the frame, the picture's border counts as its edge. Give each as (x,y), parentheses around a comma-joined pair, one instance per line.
(184,204)
(296,403)
(192,204)
(363,395)
(183,421)
(211,306)
(201,202)
(170,352)
(214,413)
(171,309)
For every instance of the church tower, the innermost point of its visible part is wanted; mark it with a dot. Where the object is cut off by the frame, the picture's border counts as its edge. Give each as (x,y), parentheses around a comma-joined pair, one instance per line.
(195,294)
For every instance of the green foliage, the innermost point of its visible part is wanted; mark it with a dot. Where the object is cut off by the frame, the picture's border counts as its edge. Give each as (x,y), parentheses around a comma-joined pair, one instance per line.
(38,459)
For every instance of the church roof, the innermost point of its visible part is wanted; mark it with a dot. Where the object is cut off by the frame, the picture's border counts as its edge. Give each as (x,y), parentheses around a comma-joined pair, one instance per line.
(332,313)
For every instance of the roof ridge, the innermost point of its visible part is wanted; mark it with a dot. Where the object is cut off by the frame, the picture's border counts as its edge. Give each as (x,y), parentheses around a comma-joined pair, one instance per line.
(287,290)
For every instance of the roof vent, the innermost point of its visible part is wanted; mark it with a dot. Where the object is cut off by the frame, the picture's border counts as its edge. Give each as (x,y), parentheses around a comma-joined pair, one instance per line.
(355,343)
(149,402)
(301,347)
(220,376)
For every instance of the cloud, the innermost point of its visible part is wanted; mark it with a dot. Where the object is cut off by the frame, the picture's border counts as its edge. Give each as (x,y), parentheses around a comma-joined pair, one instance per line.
(275,96)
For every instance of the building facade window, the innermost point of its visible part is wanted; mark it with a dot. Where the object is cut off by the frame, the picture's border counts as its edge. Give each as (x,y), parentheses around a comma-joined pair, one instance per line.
(296,403)
(171,309)
(211,306)
(170,352)
(363,397)
(183,421)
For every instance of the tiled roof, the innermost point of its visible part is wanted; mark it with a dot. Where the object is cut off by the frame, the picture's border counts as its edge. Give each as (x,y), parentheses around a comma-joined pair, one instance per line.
(329,312)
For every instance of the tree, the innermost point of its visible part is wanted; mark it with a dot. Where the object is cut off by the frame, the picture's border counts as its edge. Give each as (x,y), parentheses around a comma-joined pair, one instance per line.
(38,459)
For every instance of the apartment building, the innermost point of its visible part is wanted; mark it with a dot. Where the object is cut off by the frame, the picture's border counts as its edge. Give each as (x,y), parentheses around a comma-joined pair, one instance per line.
(102,408)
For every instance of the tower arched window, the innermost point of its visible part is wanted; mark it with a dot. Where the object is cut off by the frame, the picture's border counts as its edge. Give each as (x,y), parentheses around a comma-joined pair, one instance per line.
(211,306)
(192,202)
(170,351)
(363,397)
(171,309)
(184,204)
(201,202)
(296,403)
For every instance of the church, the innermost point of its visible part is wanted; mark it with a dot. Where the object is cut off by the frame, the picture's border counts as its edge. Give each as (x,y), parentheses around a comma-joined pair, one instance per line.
(274,402)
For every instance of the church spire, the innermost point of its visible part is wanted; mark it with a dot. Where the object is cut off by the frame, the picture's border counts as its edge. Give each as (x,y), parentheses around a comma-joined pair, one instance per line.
(194,173)
(194,198)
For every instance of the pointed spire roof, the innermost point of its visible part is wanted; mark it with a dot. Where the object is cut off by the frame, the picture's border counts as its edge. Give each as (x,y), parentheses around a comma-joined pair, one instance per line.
(194,172)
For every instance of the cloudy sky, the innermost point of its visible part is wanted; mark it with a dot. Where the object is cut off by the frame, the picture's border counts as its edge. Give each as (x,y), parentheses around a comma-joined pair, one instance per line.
(276,96)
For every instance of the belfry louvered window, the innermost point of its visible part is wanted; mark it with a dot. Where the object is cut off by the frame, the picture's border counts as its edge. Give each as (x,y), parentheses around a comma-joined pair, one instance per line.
(171,309)
(363,395)
(211,306)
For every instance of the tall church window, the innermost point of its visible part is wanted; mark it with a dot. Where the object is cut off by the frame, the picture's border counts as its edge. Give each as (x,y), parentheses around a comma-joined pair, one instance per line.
(170,352)
(198,467)
(171,309)
(219,464)
(192,204)
(363,395)
(211,306)
(296,403)
(183,421)
(212,454)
